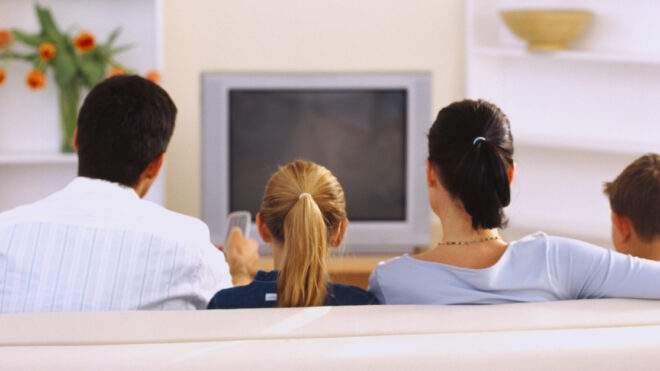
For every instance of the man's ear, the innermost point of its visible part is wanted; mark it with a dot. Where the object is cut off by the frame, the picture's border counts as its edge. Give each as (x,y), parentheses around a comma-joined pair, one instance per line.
(511,172)
(152,170)
(431,176)
(264,232)
(623,225)
(75,139)
(339,233)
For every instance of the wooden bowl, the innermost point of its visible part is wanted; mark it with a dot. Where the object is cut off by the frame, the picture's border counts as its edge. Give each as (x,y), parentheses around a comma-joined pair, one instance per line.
(547,30)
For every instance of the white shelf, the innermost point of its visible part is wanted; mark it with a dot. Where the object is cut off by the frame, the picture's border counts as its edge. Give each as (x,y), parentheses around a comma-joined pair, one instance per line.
(578,116)
(37,158)
(569,55)
(593,144)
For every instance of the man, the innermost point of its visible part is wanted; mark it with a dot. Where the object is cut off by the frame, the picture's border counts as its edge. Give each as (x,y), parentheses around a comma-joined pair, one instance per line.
(96,245)
(635,201)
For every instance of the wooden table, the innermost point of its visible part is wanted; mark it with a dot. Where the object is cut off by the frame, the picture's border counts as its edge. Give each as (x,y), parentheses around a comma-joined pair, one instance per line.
(348,269)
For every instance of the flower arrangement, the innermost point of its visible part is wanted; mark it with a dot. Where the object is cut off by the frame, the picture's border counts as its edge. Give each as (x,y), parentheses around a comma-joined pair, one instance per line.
(77,62)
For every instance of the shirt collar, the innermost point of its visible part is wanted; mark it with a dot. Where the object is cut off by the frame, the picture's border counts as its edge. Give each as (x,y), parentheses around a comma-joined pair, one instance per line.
(102,187)
(266,276)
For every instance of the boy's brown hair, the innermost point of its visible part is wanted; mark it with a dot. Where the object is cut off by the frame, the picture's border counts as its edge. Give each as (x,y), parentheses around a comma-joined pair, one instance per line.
(635,193)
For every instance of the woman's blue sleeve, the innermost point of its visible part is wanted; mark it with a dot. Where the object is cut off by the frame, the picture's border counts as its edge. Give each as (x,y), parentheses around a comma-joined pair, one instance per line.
(589,271)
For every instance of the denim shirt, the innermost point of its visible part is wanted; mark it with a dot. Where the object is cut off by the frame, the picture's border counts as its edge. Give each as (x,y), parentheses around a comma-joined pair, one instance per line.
(262,293)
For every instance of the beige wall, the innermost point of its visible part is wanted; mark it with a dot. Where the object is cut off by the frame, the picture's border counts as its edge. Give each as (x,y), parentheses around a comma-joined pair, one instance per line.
(298,35)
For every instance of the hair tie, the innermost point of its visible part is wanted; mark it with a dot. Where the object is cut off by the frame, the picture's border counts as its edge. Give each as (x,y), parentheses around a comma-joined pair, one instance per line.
(304,194)
(477,139)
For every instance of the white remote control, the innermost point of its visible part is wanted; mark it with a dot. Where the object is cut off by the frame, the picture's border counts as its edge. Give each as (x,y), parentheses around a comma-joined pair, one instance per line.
(240,219)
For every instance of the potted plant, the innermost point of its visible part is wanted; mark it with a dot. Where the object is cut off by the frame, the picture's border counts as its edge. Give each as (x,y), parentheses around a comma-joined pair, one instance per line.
(77,62)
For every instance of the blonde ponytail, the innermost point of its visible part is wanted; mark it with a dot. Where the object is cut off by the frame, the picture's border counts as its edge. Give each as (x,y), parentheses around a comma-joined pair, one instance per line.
(303,205)
(303,279)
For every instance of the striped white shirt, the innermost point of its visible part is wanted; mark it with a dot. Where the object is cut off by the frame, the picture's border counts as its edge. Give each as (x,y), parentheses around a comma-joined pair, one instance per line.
(97,246)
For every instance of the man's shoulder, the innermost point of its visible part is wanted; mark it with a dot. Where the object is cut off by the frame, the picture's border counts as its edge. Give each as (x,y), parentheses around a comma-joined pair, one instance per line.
(22,213)
(164,221)
(126,214)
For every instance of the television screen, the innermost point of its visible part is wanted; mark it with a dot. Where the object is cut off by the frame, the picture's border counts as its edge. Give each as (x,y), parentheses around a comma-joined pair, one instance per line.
(359,135)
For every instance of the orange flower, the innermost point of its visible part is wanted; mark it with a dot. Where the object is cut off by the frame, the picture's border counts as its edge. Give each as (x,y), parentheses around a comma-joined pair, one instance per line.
(153,76)
(36,79)
(2,75)
(47,51)
(116,72)
(5,38)
(84,42)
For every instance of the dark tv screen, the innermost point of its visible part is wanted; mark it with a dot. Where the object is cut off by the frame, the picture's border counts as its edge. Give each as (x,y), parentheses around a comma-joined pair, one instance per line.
(359,135)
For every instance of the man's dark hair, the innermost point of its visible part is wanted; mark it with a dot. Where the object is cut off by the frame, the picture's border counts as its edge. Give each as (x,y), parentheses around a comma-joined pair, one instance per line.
(635,193)
(124,124)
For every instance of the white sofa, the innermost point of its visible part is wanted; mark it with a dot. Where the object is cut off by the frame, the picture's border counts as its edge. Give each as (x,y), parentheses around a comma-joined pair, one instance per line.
(586,334)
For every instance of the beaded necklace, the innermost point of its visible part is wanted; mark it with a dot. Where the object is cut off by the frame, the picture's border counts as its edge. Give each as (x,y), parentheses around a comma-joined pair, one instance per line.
(491,238)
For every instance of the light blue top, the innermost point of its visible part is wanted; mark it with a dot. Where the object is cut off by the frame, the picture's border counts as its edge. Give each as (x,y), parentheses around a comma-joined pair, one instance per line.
(536,268)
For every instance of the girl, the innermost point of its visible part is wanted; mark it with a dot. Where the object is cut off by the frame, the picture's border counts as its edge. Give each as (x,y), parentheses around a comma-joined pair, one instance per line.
(302,215)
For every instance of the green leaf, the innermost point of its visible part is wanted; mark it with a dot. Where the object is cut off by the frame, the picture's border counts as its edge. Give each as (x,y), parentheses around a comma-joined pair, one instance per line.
(12,55)
(112,37)
(48,26)
(120,49)
(92,68)
(25,38)
(65,67)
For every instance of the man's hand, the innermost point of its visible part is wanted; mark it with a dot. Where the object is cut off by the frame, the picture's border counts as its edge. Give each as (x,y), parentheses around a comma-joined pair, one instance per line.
(241,254)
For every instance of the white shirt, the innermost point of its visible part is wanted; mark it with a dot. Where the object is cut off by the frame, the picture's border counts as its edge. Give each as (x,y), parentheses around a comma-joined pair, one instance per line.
(536,268)
(97,246)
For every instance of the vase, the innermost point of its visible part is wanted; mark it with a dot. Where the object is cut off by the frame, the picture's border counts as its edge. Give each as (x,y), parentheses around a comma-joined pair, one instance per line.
(69,99)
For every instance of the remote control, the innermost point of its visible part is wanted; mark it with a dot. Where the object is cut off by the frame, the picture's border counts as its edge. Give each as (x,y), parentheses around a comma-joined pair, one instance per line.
(240,219)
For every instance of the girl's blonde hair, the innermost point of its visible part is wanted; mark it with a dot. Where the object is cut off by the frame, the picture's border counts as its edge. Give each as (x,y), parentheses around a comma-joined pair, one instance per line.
(303,205)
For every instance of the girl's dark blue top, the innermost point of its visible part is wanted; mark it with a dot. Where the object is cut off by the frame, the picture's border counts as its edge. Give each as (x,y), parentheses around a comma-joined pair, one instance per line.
(262,293)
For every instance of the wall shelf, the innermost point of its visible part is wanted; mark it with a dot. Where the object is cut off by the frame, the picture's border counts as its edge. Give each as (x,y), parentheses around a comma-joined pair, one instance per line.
(578,116)
(567,55)
(593,144)
(37,158)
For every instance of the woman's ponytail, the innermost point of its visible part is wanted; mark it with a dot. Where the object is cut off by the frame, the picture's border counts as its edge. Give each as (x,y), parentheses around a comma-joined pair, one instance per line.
(470,145)
(482,184)
(304,275)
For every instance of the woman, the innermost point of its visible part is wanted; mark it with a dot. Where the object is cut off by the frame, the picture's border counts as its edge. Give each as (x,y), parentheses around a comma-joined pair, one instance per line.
(469,170)
(302,215)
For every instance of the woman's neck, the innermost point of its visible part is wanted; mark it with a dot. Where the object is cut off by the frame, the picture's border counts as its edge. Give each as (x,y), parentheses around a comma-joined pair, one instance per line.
(457,226)
(462,235)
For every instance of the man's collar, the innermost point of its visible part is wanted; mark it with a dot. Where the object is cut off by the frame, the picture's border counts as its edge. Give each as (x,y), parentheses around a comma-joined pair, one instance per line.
(101,186)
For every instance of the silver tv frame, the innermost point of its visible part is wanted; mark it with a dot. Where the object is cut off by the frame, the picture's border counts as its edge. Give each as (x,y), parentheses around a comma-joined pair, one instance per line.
(362,236)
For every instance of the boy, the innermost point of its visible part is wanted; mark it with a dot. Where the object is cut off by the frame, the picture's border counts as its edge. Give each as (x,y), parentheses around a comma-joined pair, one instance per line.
(635,201)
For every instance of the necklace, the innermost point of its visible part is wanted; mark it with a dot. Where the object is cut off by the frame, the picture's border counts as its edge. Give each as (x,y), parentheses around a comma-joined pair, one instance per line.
(491,238)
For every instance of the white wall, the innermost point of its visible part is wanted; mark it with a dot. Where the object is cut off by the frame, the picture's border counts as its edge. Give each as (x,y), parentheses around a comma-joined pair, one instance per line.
(299,35)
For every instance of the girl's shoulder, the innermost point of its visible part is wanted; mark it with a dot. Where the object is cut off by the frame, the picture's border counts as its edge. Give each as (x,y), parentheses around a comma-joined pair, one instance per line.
(342,294)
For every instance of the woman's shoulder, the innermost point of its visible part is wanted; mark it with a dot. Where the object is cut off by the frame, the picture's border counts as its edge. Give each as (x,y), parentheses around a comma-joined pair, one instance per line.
(560,250)
(543,240)
(395,263)
(342,294)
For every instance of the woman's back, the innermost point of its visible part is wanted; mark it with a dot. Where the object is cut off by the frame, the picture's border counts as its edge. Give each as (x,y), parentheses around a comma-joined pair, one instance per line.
(536,268)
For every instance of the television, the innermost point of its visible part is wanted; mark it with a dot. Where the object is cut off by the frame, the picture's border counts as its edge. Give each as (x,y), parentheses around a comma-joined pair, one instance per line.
(368,129)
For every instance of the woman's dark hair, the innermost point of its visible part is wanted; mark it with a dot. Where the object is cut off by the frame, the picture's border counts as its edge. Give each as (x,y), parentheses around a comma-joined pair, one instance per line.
(124,124)
(472,169)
